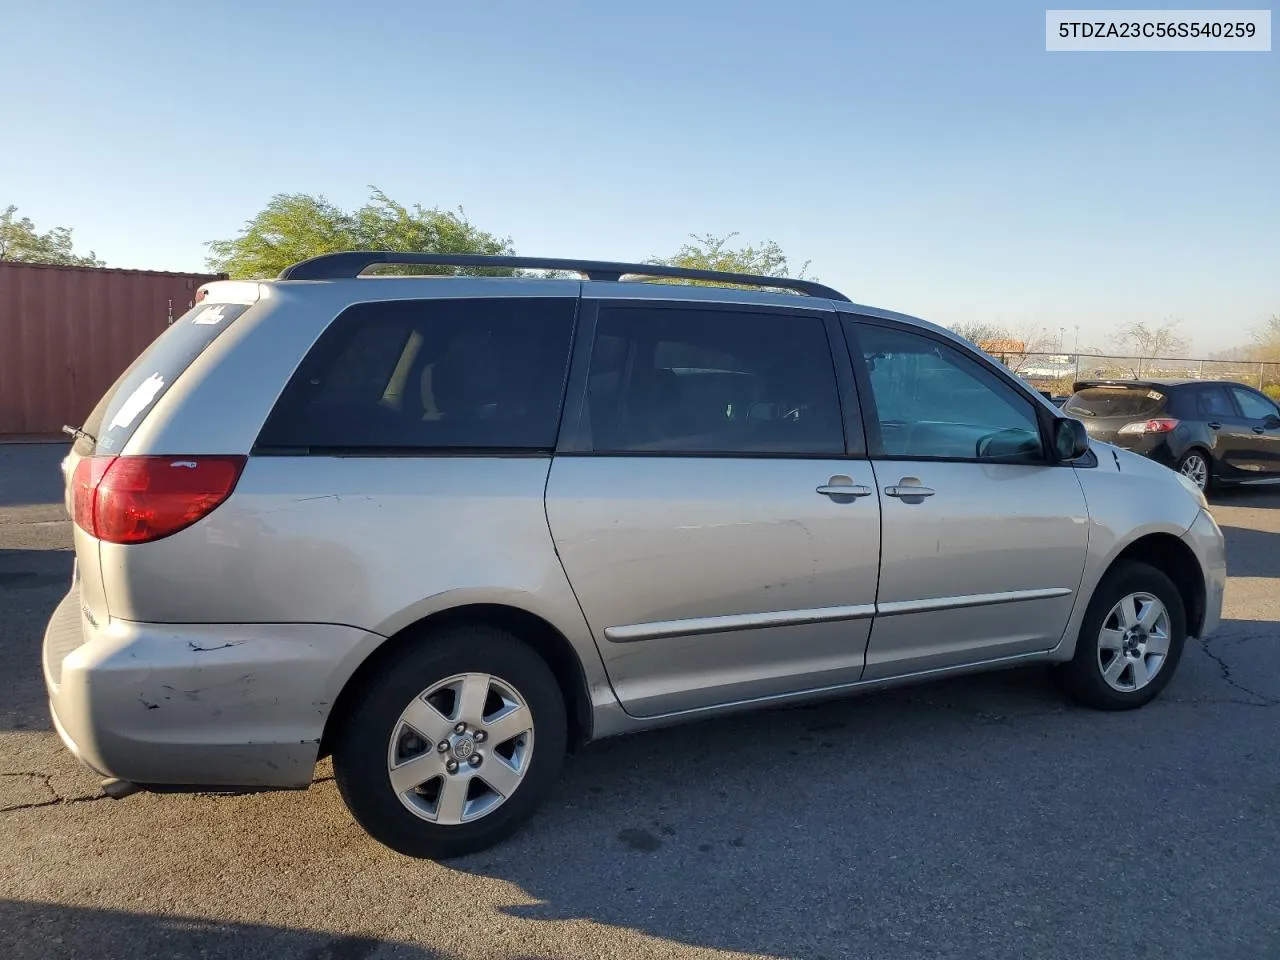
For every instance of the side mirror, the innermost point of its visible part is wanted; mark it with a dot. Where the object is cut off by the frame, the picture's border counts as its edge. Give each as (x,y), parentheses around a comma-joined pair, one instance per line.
(1070,439)
(1272,422)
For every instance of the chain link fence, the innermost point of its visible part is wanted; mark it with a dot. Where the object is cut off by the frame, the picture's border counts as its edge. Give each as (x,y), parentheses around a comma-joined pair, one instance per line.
(1055,372)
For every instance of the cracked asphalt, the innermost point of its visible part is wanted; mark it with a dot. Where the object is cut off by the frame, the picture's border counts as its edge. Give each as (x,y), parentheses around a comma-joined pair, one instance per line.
(980,818)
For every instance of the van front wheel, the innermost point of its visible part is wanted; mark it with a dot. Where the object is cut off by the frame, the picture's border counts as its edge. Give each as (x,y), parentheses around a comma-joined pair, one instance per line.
(1130,641)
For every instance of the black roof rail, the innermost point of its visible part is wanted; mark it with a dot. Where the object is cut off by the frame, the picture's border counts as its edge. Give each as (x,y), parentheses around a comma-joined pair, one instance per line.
(351,264)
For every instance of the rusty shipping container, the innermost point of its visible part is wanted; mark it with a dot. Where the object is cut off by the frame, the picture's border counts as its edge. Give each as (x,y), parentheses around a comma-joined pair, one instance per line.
(66,333)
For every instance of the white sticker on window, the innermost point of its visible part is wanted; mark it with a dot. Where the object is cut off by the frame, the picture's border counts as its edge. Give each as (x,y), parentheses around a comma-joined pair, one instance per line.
(210,316)
(137,402)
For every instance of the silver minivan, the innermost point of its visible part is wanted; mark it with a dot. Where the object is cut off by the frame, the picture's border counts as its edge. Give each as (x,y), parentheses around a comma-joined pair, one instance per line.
(446,528)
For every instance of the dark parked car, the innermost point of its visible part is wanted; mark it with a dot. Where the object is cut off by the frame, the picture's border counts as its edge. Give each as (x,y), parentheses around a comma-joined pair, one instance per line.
(1212,431)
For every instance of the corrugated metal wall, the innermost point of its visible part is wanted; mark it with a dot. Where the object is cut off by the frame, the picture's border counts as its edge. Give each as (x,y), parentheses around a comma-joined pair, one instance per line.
(66,333)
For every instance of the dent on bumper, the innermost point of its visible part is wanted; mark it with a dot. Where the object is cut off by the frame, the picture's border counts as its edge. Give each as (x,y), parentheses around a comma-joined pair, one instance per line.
(237,705)
(1206,541)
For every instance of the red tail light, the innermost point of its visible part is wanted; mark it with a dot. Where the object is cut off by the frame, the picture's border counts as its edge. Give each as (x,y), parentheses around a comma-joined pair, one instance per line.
(1158,425)
(139,499)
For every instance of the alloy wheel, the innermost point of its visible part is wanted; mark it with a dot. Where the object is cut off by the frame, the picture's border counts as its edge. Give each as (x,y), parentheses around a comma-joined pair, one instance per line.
(1134,642)
(461,748)
(1195,469)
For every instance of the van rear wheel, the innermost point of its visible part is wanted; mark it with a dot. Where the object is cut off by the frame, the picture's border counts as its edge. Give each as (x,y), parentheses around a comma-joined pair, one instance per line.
(453,745)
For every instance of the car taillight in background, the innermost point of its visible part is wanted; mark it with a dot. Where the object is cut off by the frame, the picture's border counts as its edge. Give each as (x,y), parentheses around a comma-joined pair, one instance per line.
(1158,425)
(140,499)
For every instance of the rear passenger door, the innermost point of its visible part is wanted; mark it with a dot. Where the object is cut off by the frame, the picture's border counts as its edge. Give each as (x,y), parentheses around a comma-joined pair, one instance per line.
(983,537)
(719,527)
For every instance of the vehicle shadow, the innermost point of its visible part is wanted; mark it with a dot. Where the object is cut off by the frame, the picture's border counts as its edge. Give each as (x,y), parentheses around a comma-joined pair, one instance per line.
(1252,553)
(951,813)
(40,931)
(30,474)
(32,582)
(1261,495)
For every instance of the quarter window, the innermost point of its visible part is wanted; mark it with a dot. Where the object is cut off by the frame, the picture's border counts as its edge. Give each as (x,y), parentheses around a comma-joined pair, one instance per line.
(699,381)
(933,402)
(430,374)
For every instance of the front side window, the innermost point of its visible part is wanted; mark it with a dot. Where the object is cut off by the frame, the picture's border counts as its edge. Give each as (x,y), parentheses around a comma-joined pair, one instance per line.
(703,381)
(430,374)
(1252,405)
(934,402)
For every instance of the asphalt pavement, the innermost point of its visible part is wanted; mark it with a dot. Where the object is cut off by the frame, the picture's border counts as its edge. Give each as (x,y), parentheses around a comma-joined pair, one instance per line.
(977,818)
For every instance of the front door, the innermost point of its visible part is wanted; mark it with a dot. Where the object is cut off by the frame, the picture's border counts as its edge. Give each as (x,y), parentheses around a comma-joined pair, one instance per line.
(719,534)
(1260,431)
(983,539)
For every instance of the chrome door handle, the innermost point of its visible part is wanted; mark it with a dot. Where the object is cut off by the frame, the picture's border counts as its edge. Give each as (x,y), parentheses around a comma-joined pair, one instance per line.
(1215,425)
(1259,430)
(905,490)
(844,490)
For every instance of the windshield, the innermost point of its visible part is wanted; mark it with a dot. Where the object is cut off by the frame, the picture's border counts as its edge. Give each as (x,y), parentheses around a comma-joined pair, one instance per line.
(1118,401)
(123,407)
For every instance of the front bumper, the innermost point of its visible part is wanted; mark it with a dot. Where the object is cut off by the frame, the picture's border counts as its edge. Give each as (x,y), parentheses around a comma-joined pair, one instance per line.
(196,705)
(1206,542)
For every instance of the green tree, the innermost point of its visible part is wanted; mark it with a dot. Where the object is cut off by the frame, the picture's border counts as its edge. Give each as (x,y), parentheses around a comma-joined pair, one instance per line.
(709,252)
(295,226)
(22,243)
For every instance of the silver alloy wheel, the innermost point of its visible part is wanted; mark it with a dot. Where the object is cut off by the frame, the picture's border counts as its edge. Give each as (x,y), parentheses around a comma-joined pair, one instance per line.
(1134,642)
(1195,469)
(460,748)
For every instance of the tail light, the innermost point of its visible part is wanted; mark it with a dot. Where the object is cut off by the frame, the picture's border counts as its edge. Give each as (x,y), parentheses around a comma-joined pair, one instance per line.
(1158,425)
(139,499)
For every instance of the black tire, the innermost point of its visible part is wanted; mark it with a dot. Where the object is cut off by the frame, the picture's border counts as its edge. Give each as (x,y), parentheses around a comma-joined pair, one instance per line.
(361,746)
(1210,483)
(1081,677)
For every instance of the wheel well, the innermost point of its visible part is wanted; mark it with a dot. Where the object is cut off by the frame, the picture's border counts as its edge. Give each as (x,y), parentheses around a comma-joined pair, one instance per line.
(1175,560)
(550,644)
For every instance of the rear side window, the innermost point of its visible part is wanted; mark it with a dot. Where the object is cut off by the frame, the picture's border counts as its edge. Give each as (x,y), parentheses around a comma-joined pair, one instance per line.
(1118,401)
(1202,402)
(123,408)
(485,373)
(700,381)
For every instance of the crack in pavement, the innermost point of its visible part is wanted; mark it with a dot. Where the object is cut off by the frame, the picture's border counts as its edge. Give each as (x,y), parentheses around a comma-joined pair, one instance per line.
(1225,667)
(55,798)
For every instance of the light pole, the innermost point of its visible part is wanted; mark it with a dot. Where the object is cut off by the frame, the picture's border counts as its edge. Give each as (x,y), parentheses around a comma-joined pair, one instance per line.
(1062,333)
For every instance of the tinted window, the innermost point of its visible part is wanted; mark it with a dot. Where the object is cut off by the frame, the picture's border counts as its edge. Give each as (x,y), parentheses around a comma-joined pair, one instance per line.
(1139,400)
(1204,402)
(692,380)
(123,408)
(1252,405)
(934,401)
(423,374)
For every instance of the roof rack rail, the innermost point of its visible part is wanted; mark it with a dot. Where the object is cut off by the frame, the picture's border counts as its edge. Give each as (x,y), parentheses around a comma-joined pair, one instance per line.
(351,264)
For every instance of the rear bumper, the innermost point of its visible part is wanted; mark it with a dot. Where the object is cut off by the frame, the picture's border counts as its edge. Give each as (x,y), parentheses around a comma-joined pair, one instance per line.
(1205,540)
(1152,446)
(208,705)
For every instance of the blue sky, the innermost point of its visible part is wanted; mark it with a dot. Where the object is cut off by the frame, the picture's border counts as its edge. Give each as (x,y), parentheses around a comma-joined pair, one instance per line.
(927,157)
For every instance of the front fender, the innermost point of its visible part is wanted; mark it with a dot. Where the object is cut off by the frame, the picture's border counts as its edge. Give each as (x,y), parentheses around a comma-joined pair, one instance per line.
(1128,498)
